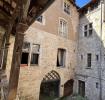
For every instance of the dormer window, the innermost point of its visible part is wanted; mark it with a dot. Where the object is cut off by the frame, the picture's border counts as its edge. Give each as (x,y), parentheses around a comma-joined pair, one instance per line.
(66,7)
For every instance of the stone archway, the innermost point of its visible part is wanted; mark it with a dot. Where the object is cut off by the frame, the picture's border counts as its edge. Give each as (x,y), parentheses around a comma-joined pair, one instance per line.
(49,89)
(68,87)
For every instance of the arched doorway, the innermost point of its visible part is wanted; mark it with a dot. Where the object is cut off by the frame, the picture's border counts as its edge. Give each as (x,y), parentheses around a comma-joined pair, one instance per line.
(68,87)
(49,89)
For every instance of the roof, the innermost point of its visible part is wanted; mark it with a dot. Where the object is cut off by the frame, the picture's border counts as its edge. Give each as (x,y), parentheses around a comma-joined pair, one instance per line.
(91,4)
(32,9)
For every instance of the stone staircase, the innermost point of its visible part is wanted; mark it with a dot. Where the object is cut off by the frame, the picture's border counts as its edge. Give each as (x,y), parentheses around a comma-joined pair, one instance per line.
(3,85)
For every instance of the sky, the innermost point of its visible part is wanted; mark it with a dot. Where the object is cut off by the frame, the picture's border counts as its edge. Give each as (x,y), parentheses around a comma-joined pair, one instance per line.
(81,3)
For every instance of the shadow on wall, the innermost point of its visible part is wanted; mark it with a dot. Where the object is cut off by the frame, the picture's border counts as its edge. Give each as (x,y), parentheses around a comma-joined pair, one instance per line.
(91,57)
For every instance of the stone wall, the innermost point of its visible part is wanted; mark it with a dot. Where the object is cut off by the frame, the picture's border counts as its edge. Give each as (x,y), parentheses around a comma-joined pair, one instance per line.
(47,36)
(91,45)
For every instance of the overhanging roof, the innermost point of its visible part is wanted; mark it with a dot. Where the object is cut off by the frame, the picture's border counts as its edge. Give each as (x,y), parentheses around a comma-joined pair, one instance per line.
(34,9)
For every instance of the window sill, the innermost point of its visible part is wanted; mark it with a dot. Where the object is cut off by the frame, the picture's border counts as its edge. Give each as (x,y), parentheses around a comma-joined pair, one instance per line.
(32,65)
(23,65)
(60,66)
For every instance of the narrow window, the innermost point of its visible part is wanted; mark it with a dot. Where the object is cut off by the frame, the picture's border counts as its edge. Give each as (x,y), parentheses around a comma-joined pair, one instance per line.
(89,60)
(90,29)
(85,31)
(97,85)
(61,56)
(25,53)
(81,57)
(35,54)
(97,57)
(63,28)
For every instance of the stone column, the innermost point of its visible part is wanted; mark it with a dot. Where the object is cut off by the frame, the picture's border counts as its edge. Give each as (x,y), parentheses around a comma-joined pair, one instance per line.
(16,60)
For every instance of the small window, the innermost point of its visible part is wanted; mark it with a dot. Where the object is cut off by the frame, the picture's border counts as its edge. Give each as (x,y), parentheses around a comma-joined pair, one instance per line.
(63,29)
(40,19)
(97,57)
(35,54)
(89,60)
(61,56)
(97,85)
(81,57)
(66,6)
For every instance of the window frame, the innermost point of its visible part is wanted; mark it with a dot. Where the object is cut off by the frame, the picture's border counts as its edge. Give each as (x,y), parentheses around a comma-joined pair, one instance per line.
(63,59)
(36,53)
(61,29)
(89,60)
(87,31)
(26,51)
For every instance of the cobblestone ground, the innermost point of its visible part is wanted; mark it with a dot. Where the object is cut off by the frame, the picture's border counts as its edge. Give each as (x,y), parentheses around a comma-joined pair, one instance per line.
(72,98)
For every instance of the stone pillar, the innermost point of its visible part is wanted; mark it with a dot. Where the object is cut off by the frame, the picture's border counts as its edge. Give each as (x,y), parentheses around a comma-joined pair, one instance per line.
(16,60)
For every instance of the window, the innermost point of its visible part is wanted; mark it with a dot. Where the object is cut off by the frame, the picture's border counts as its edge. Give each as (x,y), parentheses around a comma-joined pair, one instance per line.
(25,53)
(97,85)
(40,19)
(81,57)
(81,88)
(89,60)
(35,54)
(63,28)
(97,57)
(66,7)
(61,56)
(88,30)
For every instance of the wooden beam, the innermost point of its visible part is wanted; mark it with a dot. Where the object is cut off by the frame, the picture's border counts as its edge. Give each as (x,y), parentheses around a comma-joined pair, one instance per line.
(16,60)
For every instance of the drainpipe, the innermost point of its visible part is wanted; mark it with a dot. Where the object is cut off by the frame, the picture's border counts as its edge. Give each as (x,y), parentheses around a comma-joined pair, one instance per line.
(101,45)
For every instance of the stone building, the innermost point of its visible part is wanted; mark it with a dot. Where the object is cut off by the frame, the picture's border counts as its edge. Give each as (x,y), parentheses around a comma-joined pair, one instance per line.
(15,18)
(90,70)
(63,52)
(49,53)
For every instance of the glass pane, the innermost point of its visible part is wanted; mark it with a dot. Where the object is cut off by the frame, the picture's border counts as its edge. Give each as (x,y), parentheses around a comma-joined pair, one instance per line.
(34,58)
(90,32)
(85,34)
(26,46)
(90,25)
(35,48)
(85,27)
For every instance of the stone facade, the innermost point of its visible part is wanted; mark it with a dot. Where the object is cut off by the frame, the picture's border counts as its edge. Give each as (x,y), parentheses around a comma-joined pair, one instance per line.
(91,44)
(47,35)
(77,46)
